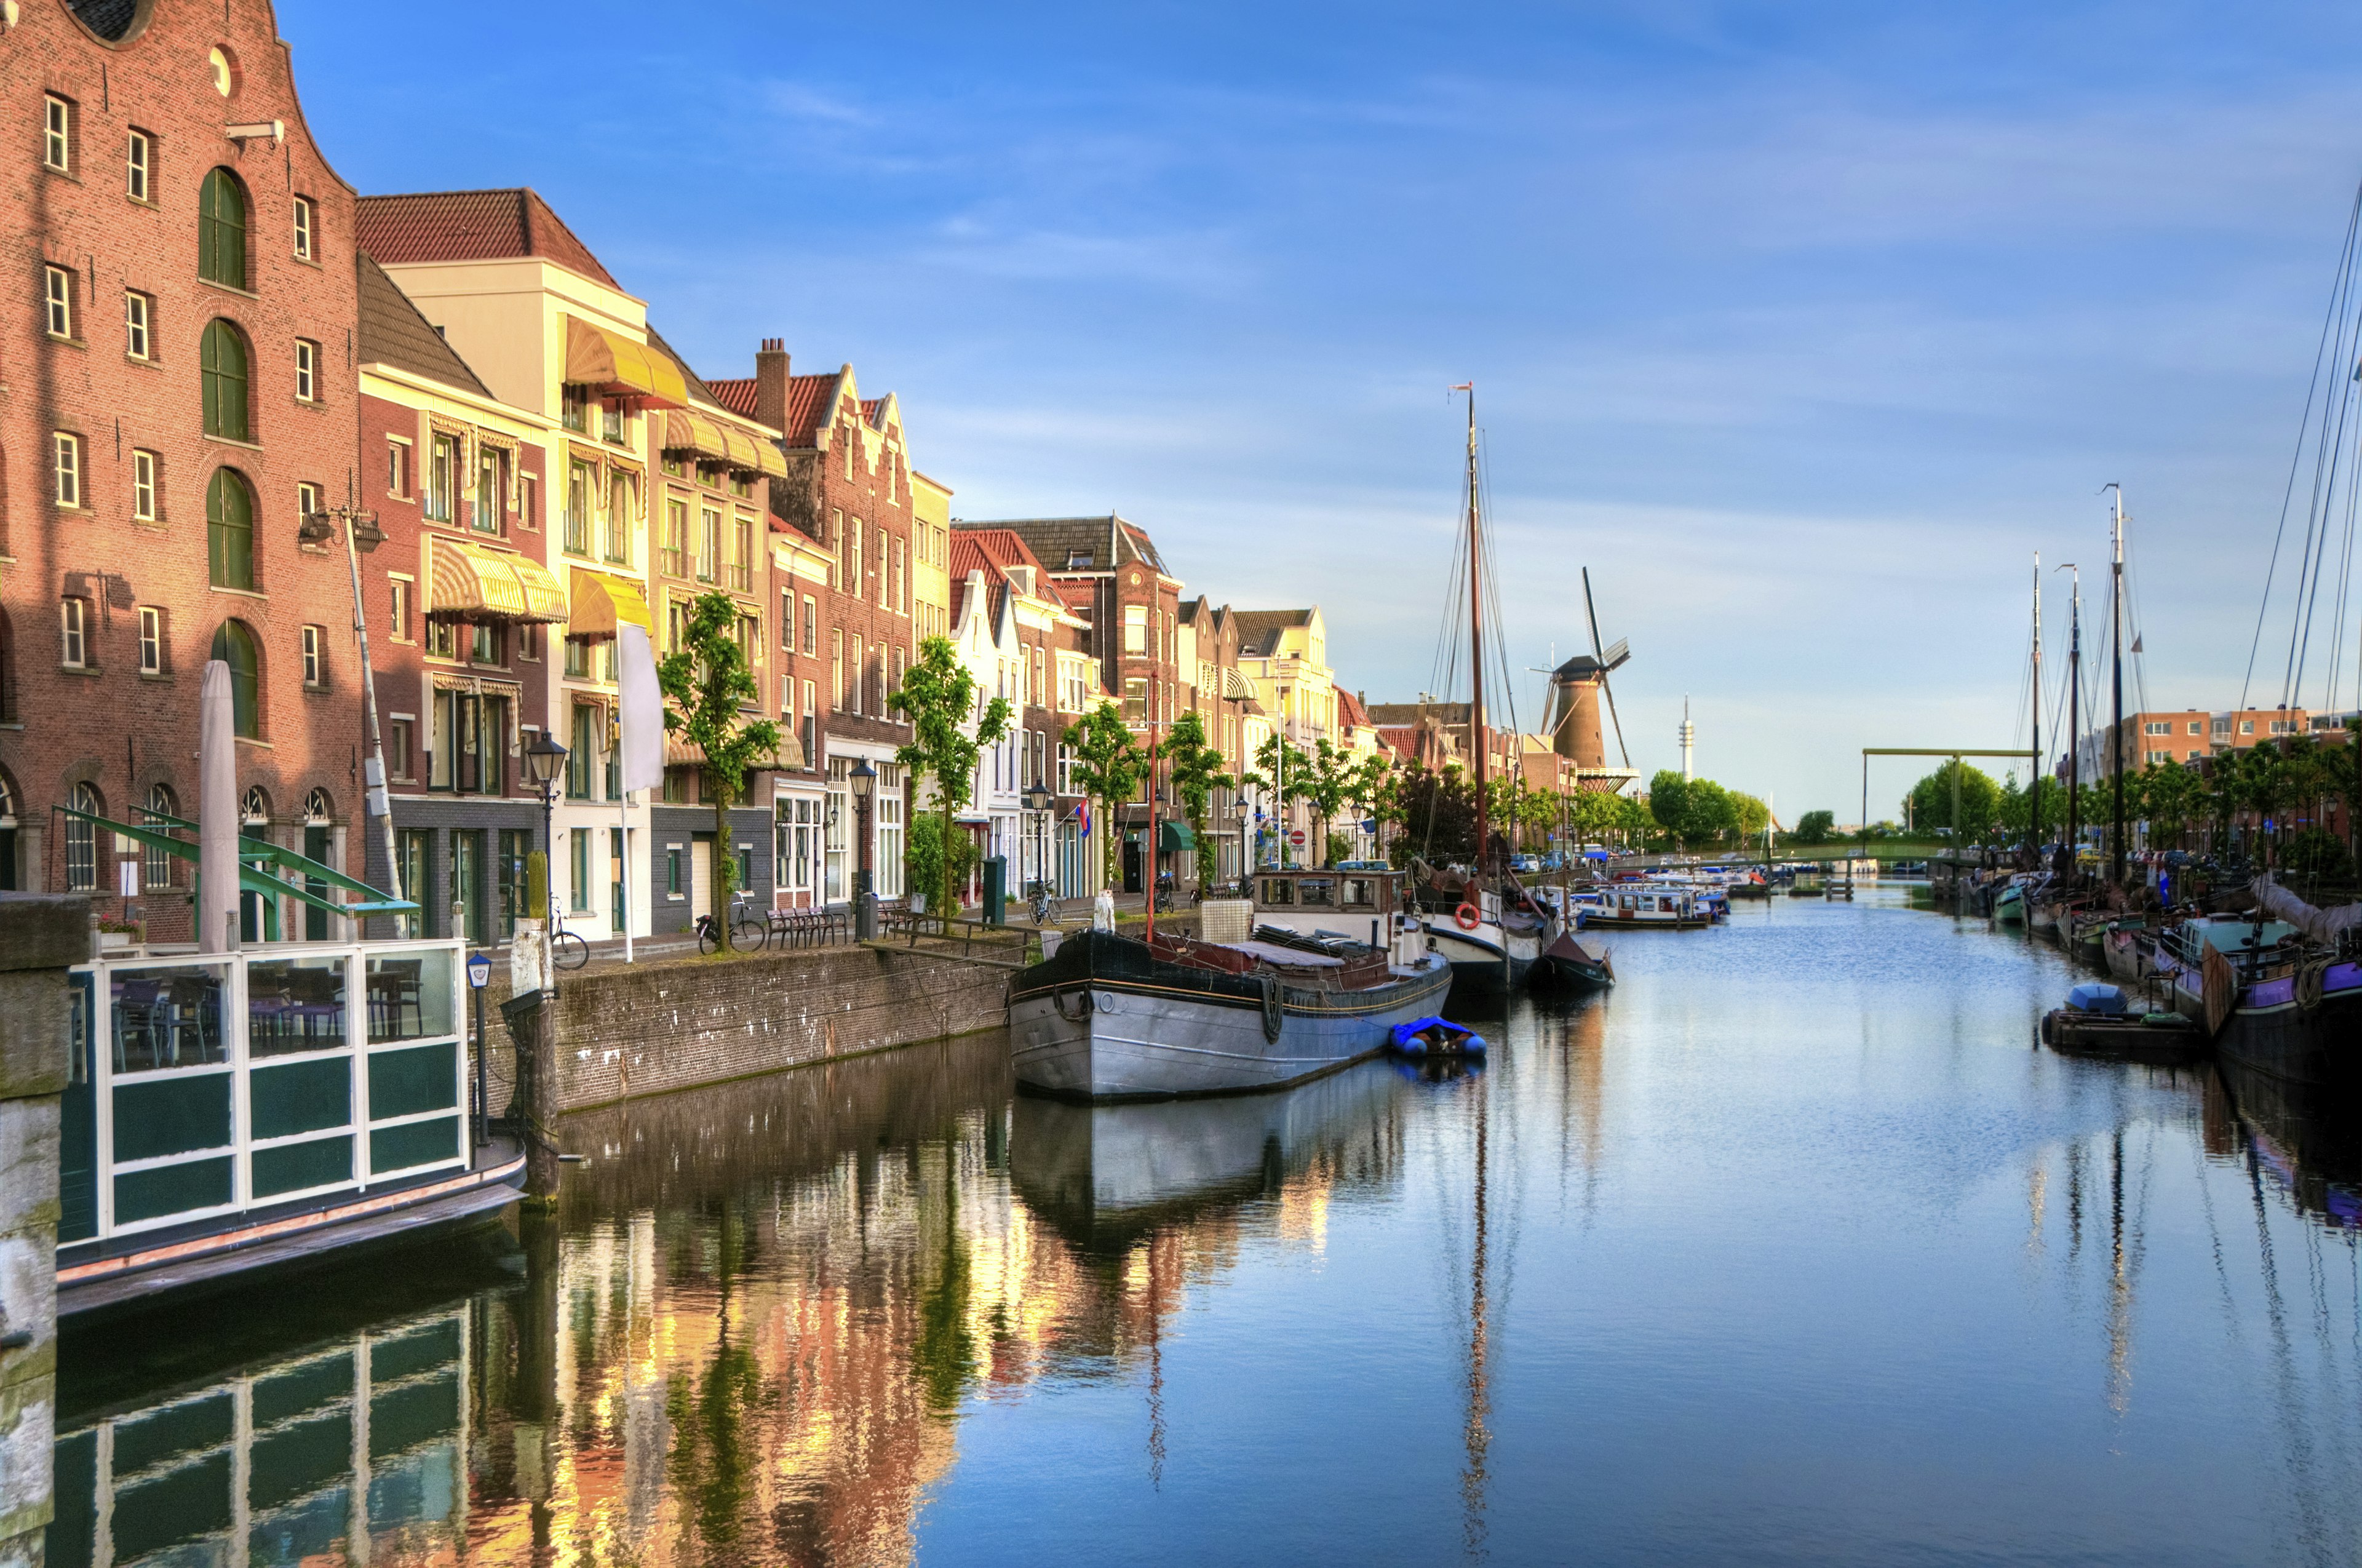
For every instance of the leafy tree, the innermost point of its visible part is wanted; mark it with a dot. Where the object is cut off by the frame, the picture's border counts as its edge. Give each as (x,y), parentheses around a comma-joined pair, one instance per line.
(1931,799)
(1813,827)
(1668,803)
(1367,785)
(924,850)
(948,730)
(1109,765)
(1436,811)
(1196,774)
(709,692)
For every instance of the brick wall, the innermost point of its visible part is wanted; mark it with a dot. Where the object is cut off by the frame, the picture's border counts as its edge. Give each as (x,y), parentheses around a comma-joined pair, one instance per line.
(659,1028)
(107,725)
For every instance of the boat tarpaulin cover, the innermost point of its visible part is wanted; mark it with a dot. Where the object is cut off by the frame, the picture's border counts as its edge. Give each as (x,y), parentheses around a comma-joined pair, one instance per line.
(2321,926)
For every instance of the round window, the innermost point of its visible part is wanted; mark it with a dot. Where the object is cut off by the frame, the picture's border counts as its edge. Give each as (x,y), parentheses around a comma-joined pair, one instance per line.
(224,67)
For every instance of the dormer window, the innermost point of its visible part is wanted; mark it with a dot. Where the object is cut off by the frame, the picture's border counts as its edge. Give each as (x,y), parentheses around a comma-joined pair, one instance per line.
(1078,560)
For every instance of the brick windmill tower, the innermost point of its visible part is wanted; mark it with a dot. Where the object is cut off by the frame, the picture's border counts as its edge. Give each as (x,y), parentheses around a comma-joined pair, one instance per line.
(1579,690)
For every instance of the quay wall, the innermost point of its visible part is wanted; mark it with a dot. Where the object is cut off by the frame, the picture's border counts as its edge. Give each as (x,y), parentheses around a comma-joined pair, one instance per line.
(654,1029)
(39,937)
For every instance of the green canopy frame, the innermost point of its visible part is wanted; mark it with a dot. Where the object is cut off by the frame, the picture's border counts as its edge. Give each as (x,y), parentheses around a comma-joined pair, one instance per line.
(253,855)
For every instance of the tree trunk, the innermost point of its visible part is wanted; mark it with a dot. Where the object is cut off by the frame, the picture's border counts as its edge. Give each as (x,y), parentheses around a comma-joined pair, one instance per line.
(725,862)
(951,904)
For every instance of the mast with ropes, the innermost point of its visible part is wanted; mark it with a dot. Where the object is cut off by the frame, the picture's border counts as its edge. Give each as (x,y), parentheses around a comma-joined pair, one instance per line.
(1475,631)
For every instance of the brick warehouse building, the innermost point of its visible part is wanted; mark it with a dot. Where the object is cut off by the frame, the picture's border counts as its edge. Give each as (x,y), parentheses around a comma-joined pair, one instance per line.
(176,375)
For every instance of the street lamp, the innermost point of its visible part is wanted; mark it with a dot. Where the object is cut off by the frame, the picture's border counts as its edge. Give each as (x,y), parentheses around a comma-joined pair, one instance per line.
(863,779)
(544,760)
(1239,812)
(1037,801)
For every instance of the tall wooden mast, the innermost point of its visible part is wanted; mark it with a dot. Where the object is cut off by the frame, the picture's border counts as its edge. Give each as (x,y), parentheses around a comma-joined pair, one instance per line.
(2117,673)
(1476,631)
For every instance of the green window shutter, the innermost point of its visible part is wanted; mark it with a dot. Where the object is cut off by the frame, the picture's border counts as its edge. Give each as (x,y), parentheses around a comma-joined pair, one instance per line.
(229,531)
(222,363)
(221,230)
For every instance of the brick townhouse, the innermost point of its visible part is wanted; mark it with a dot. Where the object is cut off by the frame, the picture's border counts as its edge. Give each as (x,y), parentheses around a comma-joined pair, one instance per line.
(176,391)
(1021,640)
(1109,572)
(848,498)
(1224,700)
(463,614)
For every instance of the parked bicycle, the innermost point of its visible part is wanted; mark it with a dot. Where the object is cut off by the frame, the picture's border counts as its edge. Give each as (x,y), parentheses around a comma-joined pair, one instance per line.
(746,930)
(1044,907)
(567,951)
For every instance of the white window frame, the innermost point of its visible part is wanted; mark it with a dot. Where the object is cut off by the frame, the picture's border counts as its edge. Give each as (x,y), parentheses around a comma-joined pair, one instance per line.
(138,324)
(305,228)
(307,370)
(57,302)
(73,634)
(398,607)
(315,660)
(307,498)
(57,132)
(397,457)
(151,640)
(65,463)
(139,163)
(143,485)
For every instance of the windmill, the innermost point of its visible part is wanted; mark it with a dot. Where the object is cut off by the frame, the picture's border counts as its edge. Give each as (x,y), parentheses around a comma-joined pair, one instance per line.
(1578,687)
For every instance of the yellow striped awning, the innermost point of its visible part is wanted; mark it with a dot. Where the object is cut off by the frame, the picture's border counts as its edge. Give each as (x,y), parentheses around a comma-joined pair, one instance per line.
(683,753)
(688,431)
(601,602)
(466,582)
(612,365)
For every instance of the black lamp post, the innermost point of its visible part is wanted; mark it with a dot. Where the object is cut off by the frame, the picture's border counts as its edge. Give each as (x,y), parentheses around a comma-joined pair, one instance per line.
(1239,812)
(1037,801)
(863,779)
(545,760)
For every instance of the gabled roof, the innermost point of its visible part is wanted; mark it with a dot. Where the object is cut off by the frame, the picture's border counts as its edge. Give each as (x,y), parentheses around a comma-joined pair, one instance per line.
(1351,714)
(1260,630)
(393,333)
(1079,543)
(1000,548)
(470,225)
(735,394)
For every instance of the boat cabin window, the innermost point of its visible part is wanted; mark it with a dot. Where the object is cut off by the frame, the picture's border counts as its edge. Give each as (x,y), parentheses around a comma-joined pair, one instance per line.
(1278,891)
(409,995)
(1320,890)
(1361,892)
(168,1018)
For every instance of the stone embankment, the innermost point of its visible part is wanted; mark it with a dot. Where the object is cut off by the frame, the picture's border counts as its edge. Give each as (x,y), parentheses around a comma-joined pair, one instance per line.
(624,1031)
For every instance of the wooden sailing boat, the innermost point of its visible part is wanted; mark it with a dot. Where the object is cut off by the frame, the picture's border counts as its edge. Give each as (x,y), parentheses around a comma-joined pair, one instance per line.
(1494,934)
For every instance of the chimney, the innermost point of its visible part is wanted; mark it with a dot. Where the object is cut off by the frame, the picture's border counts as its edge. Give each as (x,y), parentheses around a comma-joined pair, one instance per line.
(771,383)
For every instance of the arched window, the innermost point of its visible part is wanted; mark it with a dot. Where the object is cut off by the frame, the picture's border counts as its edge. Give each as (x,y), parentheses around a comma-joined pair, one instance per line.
(221,362)
(81,840)
(254,811)
(157,867)
(235,646)
(316,808)
(7,655)
(221,230)
(229,531)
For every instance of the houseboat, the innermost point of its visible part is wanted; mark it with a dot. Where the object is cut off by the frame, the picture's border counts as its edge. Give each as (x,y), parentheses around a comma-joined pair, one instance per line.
(1646,906)
(1312,975)
(270,1107)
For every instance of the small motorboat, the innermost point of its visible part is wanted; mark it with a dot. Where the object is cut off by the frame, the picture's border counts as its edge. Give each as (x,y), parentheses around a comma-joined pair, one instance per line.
(1435,1037)
(2008,904)
(2097,1021)
(1574,961)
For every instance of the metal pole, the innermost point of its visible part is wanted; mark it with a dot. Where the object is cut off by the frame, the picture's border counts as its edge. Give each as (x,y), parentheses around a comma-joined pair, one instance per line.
(376,803)
(623,877)
(2116,674)
(2035,805)
(483,1109)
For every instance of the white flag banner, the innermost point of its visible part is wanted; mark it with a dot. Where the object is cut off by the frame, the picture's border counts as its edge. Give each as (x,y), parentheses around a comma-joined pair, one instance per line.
(643,708)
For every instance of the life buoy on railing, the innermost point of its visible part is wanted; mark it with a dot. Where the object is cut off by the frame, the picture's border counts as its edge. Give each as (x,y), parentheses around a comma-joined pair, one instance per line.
(1467,917)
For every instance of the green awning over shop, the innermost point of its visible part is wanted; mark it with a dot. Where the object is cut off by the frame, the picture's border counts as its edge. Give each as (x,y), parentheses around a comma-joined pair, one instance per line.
(1176,837)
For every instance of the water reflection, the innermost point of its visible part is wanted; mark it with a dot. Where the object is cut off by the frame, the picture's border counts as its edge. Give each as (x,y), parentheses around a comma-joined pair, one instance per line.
(1688,1271)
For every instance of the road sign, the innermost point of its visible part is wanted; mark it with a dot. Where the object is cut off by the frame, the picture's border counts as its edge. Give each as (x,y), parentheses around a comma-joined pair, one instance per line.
(480,970)
(1296,837)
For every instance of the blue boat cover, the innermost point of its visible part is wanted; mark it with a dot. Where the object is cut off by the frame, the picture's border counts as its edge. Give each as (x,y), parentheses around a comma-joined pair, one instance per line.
(2093,997)
(1411,1038)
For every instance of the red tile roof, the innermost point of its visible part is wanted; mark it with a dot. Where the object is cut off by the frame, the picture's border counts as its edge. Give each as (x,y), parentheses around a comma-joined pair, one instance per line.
(470,225)
(1000,547)
(1349,713)
(736,394)
(810,399)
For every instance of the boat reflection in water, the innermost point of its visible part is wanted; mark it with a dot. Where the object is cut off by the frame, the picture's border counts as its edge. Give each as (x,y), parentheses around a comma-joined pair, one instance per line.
(1106,1175)
(2299,1138)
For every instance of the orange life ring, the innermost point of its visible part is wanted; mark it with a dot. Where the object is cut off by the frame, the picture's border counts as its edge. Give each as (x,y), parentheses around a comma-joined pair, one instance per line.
(1467,916)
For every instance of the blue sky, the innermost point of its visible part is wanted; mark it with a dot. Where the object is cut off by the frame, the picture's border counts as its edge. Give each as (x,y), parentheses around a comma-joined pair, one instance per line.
(1803,325)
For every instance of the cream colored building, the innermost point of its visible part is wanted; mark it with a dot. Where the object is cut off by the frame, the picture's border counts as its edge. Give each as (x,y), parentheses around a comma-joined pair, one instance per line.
(1284,654)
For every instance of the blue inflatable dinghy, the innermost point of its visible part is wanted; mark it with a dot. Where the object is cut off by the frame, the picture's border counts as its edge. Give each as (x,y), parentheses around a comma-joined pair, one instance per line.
(1434,1037)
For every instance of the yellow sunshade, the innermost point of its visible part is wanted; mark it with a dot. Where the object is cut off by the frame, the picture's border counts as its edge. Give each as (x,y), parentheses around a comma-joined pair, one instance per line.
(689,431)
(469,582)
(681,753)
(612,365)
(603,603)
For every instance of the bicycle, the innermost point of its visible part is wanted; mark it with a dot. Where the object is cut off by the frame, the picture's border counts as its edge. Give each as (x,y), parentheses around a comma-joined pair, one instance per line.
(567,951)
(744,931)
(1046,907)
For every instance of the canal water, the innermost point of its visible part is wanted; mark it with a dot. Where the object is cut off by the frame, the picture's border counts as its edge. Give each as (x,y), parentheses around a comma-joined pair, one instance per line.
(1794,1248)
